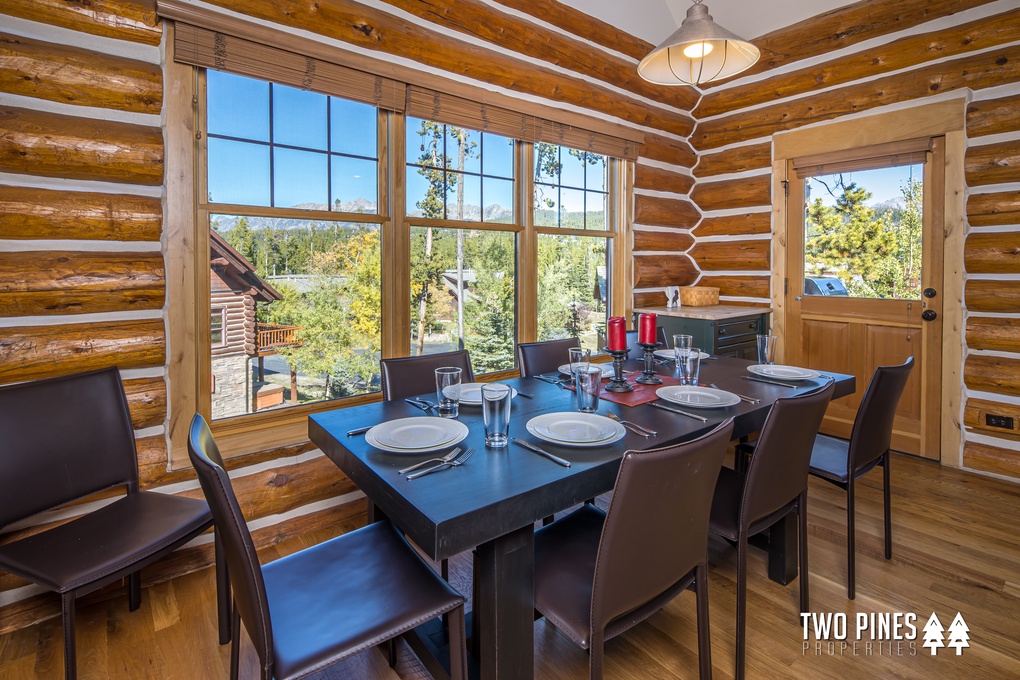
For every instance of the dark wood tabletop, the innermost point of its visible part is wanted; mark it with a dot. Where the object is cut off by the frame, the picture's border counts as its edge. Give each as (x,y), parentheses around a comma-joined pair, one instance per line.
(493,500)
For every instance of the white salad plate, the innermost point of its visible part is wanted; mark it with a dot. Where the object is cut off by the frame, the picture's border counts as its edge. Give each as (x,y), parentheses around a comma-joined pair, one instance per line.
(783,372)
(575,429)
(417,434)
(697,397)
(471,394)
(607,370)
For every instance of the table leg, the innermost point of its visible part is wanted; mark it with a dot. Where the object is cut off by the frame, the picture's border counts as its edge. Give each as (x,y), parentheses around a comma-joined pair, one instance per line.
(505,606)
(782,549)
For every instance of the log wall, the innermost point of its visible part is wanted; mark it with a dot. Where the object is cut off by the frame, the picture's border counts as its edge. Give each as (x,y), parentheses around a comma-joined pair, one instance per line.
(923,50)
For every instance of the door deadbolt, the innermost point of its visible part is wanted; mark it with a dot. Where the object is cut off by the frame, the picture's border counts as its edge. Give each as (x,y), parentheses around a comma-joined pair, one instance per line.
(929,315)
(929,292)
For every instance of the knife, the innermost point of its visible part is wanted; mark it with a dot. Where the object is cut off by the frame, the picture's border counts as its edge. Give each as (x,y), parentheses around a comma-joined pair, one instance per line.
(770,382)
(551,381)
(359,430)
(541,452)
(676,410)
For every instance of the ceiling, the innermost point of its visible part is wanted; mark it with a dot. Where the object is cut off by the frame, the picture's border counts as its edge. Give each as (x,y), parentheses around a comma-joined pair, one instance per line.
(655,20)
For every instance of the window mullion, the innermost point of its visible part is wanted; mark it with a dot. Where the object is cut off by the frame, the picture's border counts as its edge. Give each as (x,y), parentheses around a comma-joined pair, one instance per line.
(527,245)
(396,238)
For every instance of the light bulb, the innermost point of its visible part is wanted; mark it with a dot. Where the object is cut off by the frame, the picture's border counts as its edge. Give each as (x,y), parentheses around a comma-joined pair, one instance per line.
(697,50)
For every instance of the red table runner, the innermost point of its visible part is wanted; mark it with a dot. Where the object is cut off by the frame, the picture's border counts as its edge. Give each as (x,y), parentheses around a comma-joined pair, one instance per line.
(641,394)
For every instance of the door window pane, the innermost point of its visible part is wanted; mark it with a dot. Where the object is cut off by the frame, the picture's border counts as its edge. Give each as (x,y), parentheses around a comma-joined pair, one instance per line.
(572,288)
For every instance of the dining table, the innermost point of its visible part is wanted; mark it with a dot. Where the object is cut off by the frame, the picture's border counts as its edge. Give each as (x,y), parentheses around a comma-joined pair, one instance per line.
(491,503)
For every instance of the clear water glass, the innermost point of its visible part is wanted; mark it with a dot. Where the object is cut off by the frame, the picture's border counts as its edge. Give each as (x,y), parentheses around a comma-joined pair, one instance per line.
(579,358)
(496,402)
(689,364)
(588,382)
(448,391)
(682,345)
(767,349)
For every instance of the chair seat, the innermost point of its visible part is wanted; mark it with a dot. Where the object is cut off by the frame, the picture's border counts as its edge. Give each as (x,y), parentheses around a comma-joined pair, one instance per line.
(565,553)
(340,597)
(725,520)
(118,536)
(829,458)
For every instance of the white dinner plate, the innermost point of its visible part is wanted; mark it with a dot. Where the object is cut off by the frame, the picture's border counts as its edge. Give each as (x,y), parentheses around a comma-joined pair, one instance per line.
(671,354)
(607,370)
(416,434)
(783,372)
(471,394)
(697,397)
(575,429)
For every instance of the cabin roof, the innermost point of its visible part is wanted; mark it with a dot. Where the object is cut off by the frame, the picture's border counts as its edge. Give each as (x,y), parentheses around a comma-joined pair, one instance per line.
(236,266)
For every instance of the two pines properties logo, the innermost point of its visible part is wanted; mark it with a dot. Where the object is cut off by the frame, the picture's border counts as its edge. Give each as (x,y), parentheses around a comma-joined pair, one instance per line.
(887,633)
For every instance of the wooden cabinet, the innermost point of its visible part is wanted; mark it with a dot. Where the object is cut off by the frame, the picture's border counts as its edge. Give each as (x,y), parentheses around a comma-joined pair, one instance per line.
(733,337)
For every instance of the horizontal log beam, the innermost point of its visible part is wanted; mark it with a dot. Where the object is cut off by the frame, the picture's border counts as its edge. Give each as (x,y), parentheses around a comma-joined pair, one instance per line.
(732,255)
(655,211)
(992,296)
(64,282)
(975,409)
(990,210)
(992,374)
(847,26)
(993,116)
(72,75)
(995,459)
(738,286)
(663,270)
(373,29)
(133,20)
(29,352)
(1001,335)
(668,150)
(993,163)
(894,56)
(656,179)
(27,213)
(146,399)
(744,192)
(584,25)
(735,225)
(651,298)
(989,69)
(737,159)
(992,253)
(54,145)
(668,241)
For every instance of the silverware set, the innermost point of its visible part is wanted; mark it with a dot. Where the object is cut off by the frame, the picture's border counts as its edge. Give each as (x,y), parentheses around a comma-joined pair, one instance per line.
(633,427)
(677,410)
(447,462)
(542,452)
(424,404)
(552,381)
(769,382)
(749,400)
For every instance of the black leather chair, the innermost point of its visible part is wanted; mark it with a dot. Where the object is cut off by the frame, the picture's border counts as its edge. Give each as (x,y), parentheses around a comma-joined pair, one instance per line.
(598,574)
(67,438)
(535,358)
(410,376)
(841,462)
(314,608)
(775,484)
(636,350)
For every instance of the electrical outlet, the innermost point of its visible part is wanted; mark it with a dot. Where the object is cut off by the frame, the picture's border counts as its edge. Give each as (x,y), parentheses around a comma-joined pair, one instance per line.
(993,420)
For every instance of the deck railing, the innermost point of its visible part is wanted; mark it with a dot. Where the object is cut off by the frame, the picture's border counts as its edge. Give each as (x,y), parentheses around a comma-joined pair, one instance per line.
(274,335)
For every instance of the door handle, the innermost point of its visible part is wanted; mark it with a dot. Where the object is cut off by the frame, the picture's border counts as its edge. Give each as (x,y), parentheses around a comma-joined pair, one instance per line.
(929,315)
(929,293)
(797,298)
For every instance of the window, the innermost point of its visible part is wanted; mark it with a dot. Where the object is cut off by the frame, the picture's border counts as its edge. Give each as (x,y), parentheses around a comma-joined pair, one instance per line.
(570,188)
(217,327)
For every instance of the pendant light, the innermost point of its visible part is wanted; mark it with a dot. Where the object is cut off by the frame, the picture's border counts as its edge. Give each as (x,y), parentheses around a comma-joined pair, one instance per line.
(698,52)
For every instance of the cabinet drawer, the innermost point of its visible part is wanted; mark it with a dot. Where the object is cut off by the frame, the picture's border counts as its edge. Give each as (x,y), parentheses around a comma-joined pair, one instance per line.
(735,331)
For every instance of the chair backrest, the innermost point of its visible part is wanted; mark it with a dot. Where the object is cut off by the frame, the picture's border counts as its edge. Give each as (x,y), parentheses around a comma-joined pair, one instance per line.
(410,376)
(656,529)
(636,350)
(535,358)
(64,438)
(873,426)
(246,583)
(779,467)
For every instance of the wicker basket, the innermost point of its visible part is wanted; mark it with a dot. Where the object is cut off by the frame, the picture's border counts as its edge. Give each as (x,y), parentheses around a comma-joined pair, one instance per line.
(699,296)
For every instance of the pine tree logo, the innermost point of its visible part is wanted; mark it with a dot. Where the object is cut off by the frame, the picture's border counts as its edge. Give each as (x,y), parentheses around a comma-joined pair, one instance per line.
(958,634)
(933,631)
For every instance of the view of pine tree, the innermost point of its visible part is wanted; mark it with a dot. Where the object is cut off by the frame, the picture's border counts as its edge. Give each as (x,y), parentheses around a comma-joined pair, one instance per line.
(569,288)
(242,239)
(908,240)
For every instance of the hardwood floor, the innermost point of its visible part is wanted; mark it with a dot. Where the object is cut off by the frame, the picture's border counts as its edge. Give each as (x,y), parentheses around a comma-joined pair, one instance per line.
(955,549)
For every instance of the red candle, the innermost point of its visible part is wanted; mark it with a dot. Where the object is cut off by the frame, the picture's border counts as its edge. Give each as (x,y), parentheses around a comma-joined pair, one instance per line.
(617,335)
(646,329)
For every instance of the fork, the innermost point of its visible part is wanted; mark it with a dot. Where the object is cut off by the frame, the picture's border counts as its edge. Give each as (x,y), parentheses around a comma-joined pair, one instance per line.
(421,403)
(442,466)
(633,427)
(442,459)
(749,400)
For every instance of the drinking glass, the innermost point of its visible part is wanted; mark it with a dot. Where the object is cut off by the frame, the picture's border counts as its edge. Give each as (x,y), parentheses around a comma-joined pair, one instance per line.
(579,358)
(767,349)
(588,382)
(689,364)
(448,391)
(681,345)
(496,401)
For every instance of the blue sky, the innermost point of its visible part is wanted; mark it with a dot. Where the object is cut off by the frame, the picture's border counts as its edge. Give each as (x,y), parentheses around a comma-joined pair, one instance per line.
(883,183)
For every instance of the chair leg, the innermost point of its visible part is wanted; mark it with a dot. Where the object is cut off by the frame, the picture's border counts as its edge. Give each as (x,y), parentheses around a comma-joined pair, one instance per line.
(704,630)
(886,460)
(802,551)
(235,646)
(223,599)
(134,590)
(67,610)
(458,646)
(738,672)
(391,651)
(598,640)
(851,541)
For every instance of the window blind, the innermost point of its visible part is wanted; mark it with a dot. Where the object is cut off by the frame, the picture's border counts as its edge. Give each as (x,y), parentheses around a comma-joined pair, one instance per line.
(905,152)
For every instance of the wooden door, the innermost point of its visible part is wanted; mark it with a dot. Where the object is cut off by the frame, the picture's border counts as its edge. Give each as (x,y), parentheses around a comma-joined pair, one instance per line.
(855,334)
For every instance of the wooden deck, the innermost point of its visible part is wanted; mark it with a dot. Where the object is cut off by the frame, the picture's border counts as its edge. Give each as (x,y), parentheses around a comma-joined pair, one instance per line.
(956,549)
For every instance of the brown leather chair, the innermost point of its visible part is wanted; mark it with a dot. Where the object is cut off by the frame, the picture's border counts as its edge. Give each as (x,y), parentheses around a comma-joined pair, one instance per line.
(535,358)
(775,484)
(67,438)
(599,574)
(841,462)
(410,376)
(314,608)
(636,350)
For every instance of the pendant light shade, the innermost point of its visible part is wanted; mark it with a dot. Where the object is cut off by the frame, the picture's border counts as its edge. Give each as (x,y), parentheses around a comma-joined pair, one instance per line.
(698,52)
